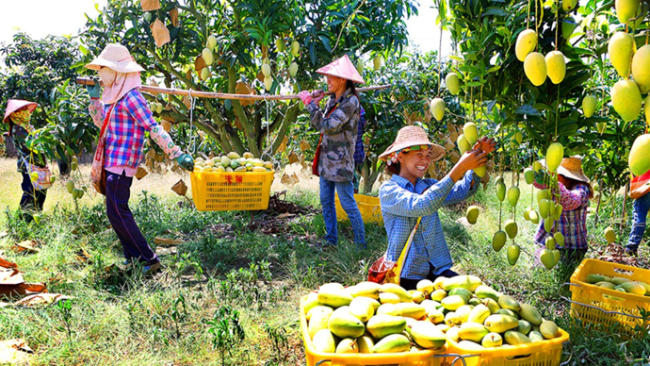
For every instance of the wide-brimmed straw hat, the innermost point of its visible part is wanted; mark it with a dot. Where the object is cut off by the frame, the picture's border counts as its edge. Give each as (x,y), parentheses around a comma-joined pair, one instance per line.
(571,168)
(342,68)
(117,58)
(413,136)
(15,105)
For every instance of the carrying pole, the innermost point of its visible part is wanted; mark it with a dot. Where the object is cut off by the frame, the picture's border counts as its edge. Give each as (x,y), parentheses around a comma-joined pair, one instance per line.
(204,94)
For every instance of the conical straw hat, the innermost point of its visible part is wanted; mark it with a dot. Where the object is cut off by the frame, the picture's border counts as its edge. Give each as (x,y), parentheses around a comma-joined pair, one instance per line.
(413,136)
(572,168)
(117,58)
(342,68)
(14,105)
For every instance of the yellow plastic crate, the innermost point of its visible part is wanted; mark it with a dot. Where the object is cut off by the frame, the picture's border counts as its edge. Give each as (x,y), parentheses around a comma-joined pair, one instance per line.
(213,191)
(598,305)
(423,358)
(368,206)
(546,353)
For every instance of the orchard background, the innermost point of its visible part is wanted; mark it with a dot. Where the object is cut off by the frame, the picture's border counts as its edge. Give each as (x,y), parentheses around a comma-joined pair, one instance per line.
(229,291)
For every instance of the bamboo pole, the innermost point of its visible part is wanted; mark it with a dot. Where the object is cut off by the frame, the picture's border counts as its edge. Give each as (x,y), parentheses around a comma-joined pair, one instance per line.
(204,94)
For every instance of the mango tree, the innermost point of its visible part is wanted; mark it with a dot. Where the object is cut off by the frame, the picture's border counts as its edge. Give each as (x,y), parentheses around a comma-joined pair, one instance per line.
(39,70)
(241,36)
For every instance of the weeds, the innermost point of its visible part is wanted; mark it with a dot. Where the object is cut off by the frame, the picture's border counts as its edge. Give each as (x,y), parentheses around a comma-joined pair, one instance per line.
(226,331)
(254,282)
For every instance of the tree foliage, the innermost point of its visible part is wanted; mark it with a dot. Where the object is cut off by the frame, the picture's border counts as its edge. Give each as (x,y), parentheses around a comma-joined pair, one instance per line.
(247,32)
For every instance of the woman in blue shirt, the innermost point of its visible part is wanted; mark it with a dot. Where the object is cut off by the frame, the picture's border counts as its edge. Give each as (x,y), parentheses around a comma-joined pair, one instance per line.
(407,196)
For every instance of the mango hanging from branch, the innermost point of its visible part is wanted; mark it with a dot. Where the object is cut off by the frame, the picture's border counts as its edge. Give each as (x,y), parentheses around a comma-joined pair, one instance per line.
(626,100)
(453,83)
(639,158)
(589,104)
(554,156)
(535,68)
(526,43)
(621,49)
(437,108)
(555,66)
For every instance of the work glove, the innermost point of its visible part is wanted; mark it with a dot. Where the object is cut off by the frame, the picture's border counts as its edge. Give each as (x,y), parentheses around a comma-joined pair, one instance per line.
(305,96)
(186,162)
(94,91)
(317,95)
(541,177)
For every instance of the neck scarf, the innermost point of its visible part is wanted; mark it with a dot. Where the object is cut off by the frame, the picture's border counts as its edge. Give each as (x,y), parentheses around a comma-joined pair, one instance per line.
(123,84)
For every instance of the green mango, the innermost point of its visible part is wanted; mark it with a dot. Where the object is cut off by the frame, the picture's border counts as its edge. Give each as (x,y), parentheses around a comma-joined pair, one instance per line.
(524,327)
(511,228)
(513,253)
(509,302)
(514,338)
(559,239)
(529,175)
(550,243)
(530,314)
(484,292)
(548,224)
(472,214)
(501,191)
(499,240)
(544,208)
(513,196)
(534,217)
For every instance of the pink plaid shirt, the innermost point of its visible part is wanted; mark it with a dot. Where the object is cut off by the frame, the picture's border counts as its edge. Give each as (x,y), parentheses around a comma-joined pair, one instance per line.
(126,129)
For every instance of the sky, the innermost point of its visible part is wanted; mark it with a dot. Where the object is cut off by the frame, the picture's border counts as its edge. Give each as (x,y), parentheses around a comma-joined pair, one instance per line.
(63,17)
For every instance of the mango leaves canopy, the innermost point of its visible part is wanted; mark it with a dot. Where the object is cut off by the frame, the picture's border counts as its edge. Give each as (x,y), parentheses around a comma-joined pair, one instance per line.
(246,32)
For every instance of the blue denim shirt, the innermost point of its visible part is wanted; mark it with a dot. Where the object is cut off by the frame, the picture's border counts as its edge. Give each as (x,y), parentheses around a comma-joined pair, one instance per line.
(402,203)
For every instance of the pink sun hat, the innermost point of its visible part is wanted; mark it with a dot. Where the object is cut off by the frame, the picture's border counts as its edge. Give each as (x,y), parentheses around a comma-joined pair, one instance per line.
(342,68)
(14,105)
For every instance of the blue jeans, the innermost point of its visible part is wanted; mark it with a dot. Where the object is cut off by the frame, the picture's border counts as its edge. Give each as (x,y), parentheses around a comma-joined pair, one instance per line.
(346,196)
(641,207)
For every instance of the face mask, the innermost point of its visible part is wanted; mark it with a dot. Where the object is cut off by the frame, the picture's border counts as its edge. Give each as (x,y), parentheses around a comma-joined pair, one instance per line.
(107,76)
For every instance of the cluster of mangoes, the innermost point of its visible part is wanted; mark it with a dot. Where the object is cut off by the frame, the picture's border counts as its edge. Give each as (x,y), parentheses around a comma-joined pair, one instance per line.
(232,163)
(373,318)
(621,284)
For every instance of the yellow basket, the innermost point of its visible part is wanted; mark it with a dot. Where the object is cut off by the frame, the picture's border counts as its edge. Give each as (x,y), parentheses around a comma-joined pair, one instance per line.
(546,353)
(368,206)
(231,191)
(423,358)
(598,305)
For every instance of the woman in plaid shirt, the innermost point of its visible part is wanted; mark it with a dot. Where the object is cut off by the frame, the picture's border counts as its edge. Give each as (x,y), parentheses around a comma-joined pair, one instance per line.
(129,118)
(407,196)
(575,192)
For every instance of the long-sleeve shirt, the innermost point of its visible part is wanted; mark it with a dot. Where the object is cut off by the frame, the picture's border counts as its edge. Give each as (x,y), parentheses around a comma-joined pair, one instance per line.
(20,135)
(125,133)
(402,203)
(573,222)
(338,126)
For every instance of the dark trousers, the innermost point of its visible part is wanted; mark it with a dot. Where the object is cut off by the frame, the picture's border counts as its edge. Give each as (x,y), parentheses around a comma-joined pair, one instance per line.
(32,199)
(118,192)
(412,284)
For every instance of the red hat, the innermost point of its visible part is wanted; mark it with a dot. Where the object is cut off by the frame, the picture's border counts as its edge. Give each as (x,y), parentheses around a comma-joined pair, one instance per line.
(14,105)
(342,68)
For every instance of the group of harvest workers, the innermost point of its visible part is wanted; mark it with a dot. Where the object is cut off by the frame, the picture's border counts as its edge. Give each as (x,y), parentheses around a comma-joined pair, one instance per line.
(409,202)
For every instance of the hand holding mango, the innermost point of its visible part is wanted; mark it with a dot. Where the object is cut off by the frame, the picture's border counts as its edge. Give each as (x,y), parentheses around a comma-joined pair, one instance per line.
(469,161)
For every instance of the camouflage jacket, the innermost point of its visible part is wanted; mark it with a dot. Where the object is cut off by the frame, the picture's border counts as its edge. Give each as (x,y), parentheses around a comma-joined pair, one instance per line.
(339,131)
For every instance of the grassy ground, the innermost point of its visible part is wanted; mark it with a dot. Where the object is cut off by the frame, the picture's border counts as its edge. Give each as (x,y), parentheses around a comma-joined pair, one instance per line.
(236,271)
